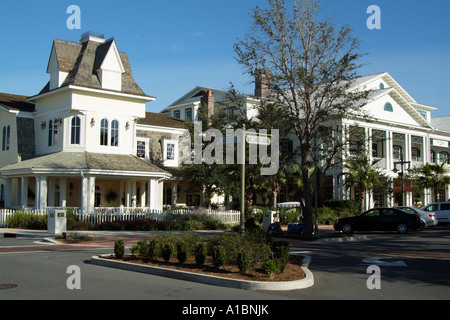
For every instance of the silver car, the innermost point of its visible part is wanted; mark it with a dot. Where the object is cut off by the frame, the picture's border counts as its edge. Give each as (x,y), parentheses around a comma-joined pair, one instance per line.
(427,219)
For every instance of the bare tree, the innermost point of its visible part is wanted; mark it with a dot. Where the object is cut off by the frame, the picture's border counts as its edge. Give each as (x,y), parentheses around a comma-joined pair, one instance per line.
(309,64)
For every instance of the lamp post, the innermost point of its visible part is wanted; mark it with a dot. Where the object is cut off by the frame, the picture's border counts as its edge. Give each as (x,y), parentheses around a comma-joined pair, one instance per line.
(401,173)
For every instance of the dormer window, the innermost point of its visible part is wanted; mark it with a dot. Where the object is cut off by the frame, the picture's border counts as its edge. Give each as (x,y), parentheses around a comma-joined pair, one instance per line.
(111,69)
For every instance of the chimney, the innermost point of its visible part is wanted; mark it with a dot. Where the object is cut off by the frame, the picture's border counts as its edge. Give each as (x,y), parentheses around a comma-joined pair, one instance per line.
(262,84)
(92,36)
(207,102)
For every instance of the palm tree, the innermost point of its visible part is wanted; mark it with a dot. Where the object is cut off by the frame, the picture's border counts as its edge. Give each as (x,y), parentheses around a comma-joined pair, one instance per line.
(431,176)
(359,171)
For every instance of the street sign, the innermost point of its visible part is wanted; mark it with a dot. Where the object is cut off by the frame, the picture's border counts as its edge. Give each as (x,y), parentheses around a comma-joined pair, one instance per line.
(256,139)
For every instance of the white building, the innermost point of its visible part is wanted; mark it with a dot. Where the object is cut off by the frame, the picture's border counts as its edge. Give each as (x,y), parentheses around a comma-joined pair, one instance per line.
(399,127)
(75,143)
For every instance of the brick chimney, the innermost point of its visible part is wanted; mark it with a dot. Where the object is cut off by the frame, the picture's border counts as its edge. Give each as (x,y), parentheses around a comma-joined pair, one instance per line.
(207,102)
(262,84)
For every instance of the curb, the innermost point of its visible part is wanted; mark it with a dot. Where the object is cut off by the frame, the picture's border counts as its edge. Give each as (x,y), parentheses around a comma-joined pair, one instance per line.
(306,282)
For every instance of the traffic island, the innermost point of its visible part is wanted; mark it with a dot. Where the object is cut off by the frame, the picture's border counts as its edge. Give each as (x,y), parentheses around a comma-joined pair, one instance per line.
(304,279)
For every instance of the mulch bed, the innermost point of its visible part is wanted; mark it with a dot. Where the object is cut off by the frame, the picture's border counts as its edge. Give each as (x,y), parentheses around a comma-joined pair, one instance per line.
(292,272)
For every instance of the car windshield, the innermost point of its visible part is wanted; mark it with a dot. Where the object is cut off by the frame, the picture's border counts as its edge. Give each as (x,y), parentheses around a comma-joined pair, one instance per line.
(409,210)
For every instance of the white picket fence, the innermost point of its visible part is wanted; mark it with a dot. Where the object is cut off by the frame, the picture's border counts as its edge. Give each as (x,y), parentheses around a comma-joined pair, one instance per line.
(101,215)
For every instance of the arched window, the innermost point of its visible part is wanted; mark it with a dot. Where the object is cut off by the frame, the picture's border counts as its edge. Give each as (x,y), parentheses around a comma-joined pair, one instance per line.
(75,130)
(104,127)
(381,85)
(115,133)
(388,107)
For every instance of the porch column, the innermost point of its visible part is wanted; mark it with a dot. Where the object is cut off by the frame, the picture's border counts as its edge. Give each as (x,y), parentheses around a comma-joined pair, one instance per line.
(84,194)
(90,194)
(24,195)
(8,192)
(156,194)
(174,194)
(127,193)
(51,187)
(62,192)
(41,192)
(389,151)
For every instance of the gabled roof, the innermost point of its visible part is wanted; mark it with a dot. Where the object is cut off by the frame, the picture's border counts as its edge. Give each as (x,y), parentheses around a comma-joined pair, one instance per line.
(15,102)
(82,60)
(396,92)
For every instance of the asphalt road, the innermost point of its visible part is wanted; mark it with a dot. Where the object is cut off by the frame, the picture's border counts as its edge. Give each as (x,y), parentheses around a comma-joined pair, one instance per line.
(412,266)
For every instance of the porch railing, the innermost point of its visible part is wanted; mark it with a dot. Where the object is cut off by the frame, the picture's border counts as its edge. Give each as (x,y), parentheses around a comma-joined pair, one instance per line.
(101,215)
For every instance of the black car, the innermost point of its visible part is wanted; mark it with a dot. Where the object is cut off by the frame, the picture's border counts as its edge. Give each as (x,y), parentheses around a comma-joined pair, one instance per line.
(379,219)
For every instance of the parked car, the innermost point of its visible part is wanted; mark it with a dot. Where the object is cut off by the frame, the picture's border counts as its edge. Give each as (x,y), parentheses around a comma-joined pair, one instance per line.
(442,210)
(427,219)
(379,219)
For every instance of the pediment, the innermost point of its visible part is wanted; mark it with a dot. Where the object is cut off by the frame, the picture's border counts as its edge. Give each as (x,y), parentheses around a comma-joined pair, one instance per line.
(391,106)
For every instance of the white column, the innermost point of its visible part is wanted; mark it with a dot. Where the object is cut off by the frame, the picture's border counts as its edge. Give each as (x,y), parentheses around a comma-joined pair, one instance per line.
(174,194)
(62,192)
(84,194)
(24,195)
(41,192)
(90,195)
(51,186)
(127,193)
(8,190)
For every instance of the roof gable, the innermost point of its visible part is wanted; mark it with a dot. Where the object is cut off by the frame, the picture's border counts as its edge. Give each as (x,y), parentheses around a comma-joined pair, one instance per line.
(83,61)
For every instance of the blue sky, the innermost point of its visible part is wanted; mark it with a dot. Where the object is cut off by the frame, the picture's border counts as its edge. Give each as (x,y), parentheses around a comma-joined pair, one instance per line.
(176,45)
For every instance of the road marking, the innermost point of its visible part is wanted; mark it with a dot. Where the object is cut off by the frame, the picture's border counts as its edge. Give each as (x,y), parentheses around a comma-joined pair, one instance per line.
(378,262)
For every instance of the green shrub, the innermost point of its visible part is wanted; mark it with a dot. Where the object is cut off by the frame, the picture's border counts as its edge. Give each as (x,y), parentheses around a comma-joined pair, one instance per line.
(153,248)
(27,220)
(182,251)
(134,249)
(167,250)
(142,248)
(270,267)
(281,253)
(119,248)
(201,253)
(243,261)
(219,256)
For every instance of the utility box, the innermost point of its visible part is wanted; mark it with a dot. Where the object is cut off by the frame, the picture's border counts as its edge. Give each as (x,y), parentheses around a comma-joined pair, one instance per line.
(268,218)
(56,221)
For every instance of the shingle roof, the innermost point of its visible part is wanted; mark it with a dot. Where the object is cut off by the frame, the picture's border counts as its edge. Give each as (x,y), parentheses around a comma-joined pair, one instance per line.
(87,161)
(16,102)
(441,123)
(162,120)
(82,60)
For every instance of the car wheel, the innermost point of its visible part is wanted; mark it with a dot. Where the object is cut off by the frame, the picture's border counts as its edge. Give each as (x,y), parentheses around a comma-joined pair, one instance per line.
(402,228)
(347,228)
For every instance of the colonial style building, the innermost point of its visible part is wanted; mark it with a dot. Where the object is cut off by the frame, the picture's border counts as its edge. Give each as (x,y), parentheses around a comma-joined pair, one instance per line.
(399,128)
(85,140)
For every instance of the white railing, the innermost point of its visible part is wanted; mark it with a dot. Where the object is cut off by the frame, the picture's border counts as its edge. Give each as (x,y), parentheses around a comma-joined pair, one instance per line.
(101,215)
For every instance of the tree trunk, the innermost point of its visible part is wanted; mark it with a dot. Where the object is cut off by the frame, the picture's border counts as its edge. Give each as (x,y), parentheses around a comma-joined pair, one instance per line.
(308,208)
